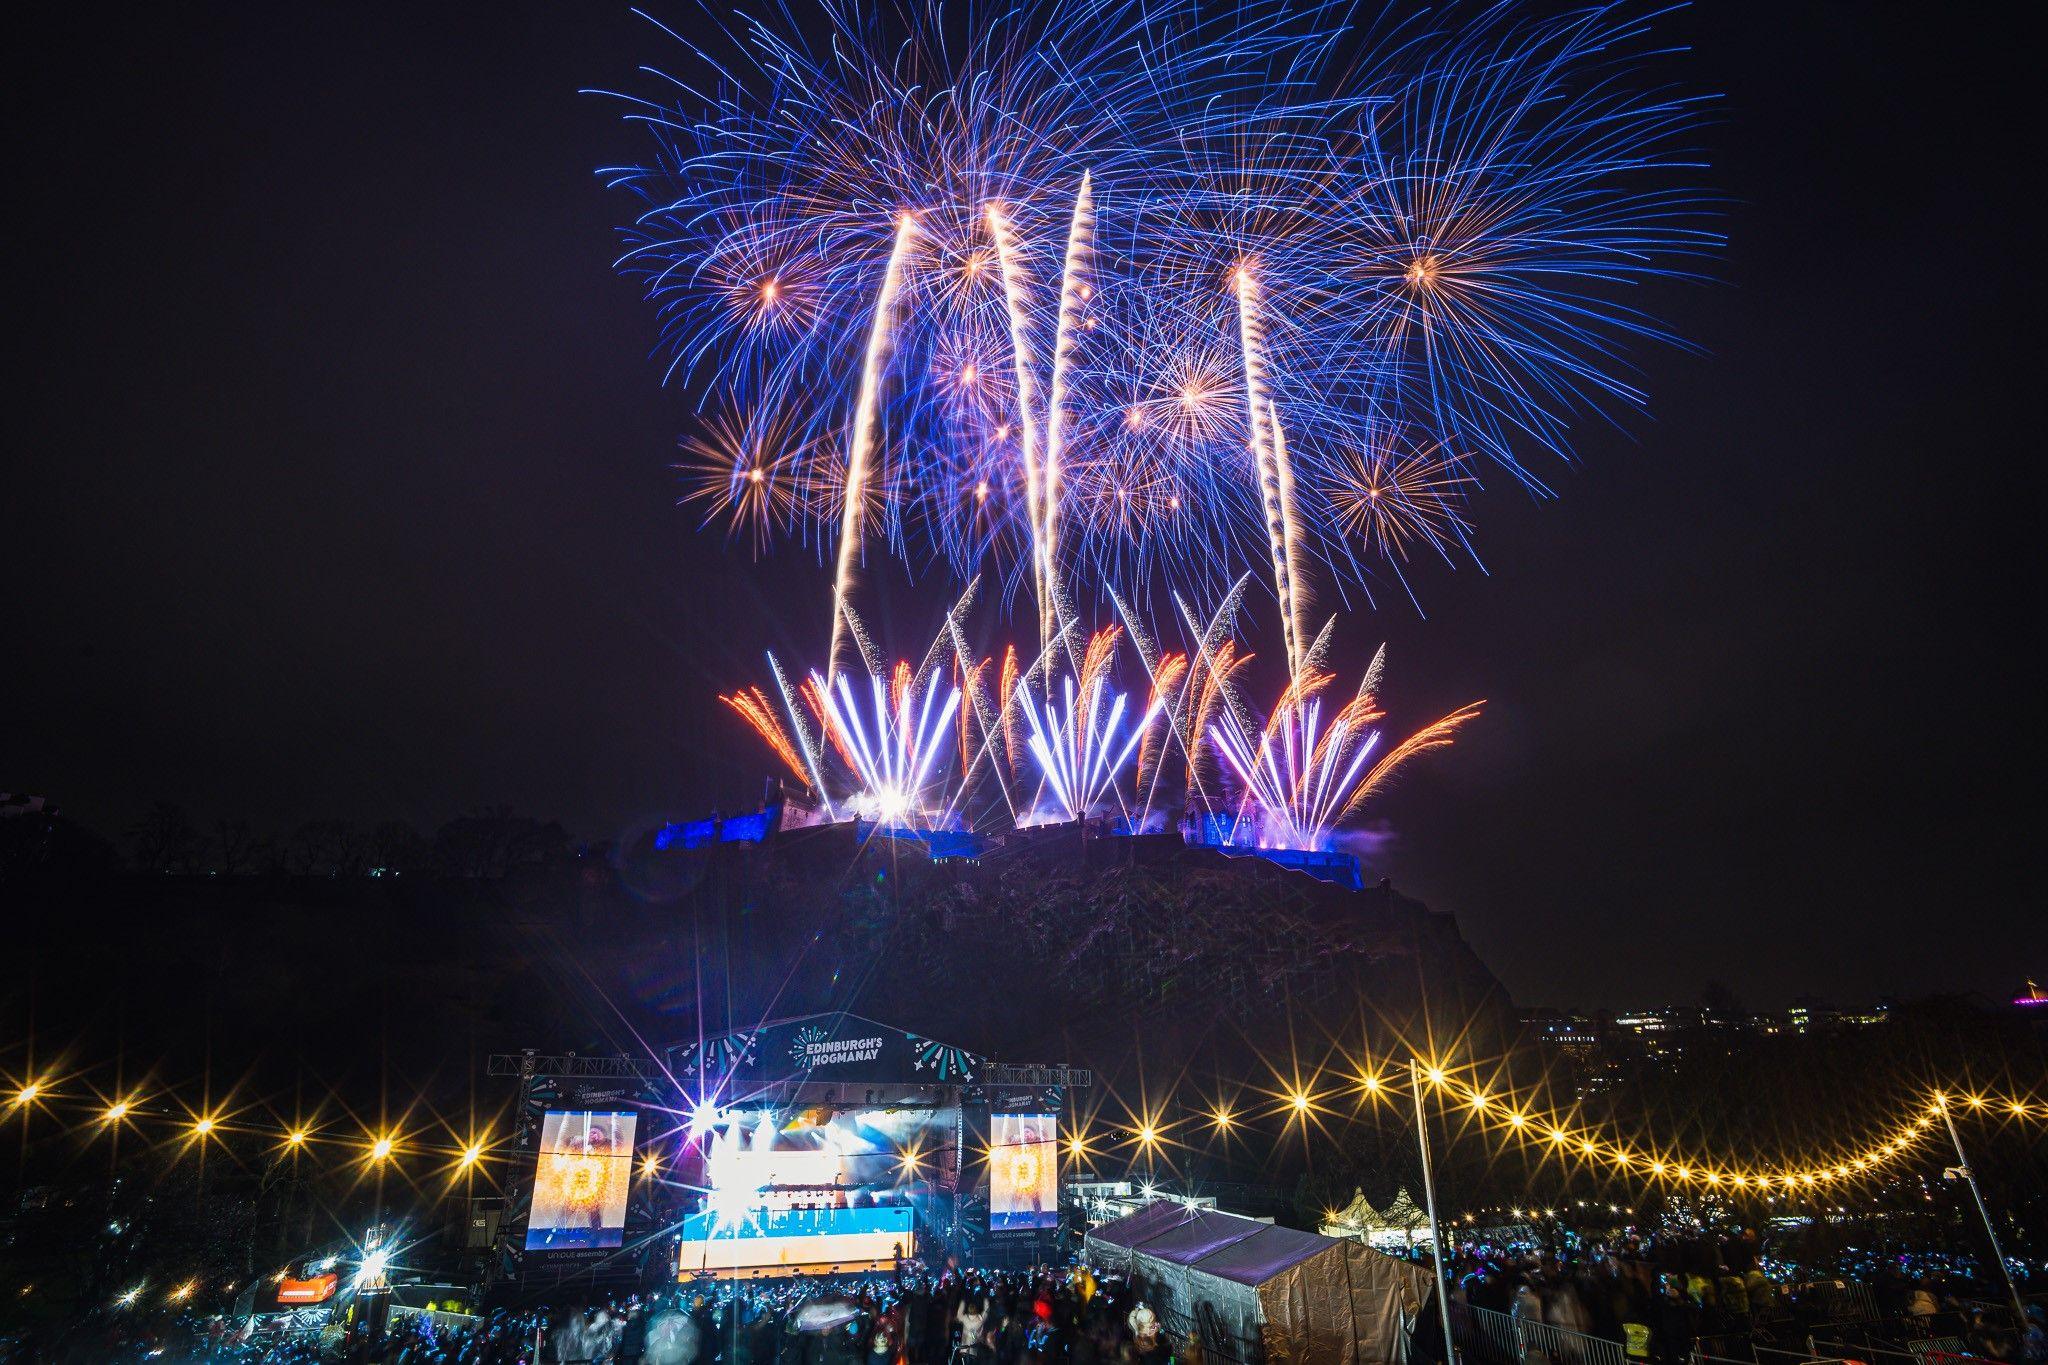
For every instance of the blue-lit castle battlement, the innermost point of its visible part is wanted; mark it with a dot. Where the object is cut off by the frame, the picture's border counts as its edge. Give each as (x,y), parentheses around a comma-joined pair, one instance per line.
(1232,836)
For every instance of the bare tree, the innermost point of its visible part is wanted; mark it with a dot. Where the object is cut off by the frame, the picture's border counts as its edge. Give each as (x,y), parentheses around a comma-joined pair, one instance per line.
(164,839)
(396,846)
(234,846)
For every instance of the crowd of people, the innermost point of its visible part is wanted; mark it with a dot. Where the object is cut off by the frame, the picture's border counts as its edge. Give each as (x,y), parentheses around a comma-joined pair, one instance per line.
(1669,1295)
(1663,1297)
(915,1317)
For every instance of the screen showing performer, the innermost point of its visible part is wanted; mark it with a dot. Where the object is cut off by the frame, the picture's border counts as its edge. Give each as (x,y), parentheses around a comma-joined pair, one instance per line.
(582,1180)
(1023,1171)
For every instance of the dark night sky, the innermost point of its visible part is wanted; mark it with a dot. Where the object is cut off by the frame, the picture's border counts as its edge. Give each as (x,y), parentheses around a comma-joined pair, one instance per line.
(339,486)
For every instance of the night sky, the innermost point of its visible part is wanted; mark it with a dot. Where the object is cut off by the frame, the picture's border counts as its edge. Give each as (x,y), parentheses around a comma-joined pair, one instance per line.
(340,486)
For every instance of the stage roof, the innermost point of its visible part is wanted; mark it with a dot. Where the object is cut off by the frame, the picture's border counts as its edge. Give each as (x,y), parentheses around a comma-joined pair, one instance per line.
(837,1047)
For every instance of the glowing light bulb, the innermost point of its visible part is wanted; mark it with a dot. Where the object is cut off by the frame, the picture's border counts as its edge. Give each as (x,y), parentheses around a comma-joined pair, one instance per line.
(117,1111)
(380,1149)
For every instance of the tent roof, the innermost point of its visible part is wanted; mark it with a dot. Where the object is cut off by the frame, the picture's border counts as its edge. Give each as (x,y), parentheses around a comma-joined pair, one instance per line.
(1198,1235)
(1262,1255)
(1134,1228)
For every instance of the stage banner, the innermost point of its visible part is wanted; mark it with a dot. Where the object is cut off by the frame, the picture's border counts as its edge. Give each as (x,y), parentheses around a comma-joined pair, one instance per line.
(823,1047)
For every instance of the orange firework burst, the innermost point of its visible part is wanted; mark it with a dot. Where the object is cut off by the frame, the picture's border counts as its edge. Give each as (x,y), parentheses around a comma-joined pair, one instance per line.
(755,708)
(742,471)
(1394,497)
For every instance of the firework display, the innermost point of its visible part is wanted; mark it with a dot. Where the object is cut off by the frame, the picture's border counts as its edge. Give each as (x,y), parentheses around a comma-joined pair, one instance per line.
(1118,289)
(1139,294)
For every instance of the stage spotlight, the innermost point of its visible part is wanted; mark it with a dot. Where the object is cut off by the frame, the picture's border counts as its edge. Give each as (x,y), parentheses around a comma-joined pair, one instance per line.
(371,1271)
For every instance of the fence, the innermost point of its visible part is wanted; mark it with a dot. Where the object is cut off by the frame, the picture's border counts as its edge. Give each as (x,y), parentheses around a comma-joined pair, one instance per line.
(1504,1339)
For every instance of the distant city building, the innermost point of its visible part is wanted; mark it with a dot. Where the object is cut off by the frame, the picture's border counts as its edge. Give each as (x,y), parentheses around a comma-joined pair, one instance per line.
(1594,1051)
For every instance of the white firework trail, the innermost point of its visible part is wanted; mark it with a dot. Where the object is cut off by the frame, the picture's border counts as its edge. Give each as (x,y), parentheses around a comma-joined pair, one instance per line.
(893,764)
(1268,449)
(861,440)
(1074,294)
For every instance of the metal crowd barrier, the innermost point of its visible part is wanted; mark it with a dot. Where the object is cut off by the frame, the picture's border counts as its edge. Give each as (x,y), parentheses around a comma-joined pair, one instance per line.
(1504,1339)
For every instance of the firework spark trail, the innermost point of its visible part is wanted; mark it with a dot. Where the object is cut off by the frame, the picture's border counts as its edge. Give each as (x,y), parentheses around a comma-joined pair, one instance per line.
(1167,680)
(1267,449)
(753,706)
(894,766)
(860,441)
(1006,691)
(811,746)
(1074,293)
(1296,599)
(1172,678)
(991,722)
(1436,735)
(1016,291)
(1075,739)
(1303,773)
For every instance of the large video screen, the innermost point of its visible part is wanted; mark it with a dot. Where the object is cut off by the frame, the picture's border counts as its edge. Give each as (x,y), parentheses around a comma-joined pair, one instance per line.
(582,1180)
(1023,1171)
(812,1191)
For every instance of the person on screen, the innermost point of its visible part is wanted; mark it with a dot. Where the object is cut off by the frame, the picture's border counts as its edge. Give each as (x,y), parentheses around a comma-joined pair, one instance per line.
(1025,1164)
(593,1173)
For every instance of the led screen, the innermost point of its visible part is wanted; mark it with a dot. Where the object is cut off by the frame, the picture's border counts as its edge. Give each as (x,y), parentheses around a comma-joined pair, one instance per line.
(581,1180)
(811,1190)
(1023,1171)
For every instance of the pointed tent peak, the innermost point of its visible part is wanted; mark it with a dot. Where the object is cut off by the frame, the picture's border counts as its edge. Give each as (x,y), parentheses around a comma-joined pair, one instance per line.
(1403,1211)
(1359,1213)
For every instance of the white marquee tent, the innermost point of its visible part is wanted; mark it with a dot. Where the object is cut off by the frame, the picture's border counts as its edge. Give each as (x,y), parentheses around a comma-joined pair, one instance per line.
(1255,1292)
